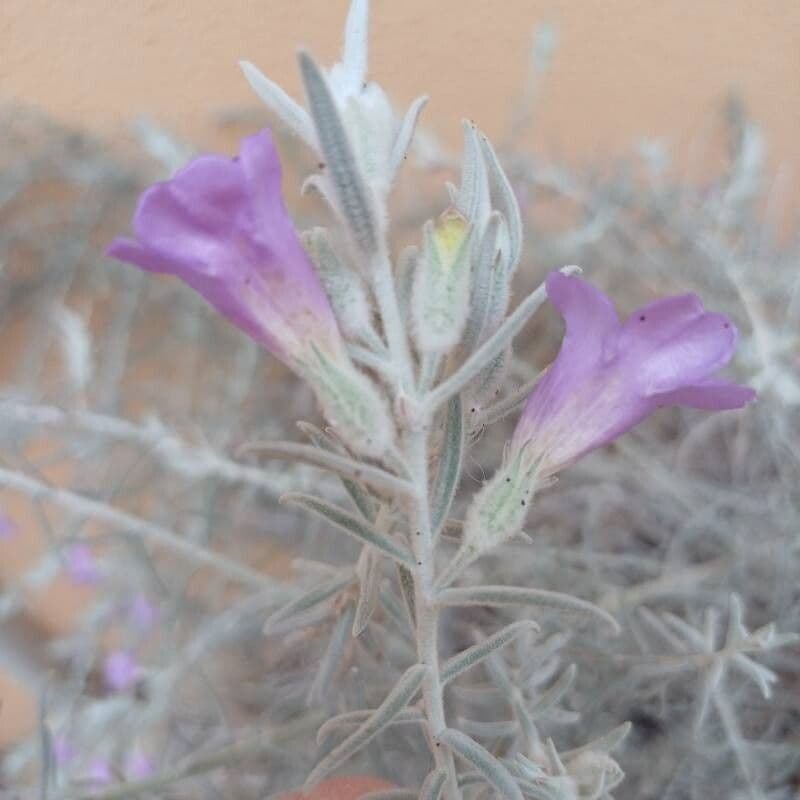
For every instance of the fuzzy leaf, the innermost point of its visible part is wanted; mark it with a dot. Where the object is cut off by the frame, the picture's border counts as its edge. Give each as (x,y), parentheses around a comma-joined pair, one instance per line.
(468,658)
(514,595)
(354,198)
(493,772)
(484,266)
(432,785)
(396,701)
(405,134)
(362,499)
(407,588)
(507,202)
(331,659)
(551,696)
(341,465)
(369,573)
(354,719)
(350,524)
(603,744)
(308,601)
(444,489)
(473,199)
(292,114)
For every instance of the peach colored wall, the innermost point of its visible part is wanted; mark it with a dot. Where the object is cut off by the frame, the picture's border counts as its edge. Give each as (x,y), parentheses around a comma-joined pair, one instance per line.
(624,68)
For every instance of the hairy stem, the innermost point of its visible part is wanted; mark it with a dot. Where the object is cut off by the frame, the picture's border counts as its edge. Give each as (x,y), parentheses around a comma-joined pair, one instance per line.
(427,611)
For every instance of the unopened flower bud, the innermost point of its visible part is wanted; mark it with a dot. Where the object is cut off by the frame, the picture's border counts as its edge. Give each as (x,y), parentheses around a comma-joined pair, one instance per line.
(499,509)
(441,285)
(351,402)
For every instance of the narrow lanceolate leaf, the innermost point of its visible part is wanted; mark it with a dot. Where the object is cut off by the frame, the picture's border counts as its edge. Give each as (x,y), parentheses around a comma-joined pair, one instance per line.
(603,744)
(350,524)
(484,266)
(489,730)
(553,695)
(308,601)
(362,499)
(507,201)
(405,134)
(432,785)
(395,702)
(406,579)
(492,347)
(521,596)
(354,198)
(341,465)
(468,658)
(473,199)
(292,114)
(508,405)
(354,719)
(356,41)
(444,490)
(331,658)
(493,772)
(369,573)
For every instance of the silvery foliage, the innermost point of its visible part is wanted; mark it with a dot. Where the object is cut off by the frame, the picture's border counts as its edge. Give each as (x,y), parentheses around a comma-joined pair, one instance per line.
(615,634)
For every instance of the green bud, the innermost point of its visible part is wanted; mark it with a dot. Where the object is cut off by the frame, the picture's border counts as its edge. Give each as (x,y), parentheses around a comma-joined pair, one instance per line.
(440,302)
(351,403)
(499,509)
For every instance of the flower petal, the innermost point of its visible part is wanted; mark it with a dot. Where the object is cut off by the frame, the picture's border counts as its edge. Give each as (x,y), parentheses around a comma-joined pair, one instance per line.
(184,239)
(587,312)
(692,355)
(660,321)
(712,395)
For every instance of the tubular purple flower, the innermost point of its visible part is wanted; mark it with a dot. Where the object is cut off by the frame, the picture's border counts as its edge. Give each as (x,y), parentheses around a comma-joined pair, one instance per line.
(609,376)
(220,225)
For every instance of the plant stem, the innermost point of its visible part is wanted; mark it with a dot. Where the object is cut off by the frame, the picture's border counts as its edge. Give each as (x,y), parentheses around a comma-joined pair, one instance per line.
(427,611)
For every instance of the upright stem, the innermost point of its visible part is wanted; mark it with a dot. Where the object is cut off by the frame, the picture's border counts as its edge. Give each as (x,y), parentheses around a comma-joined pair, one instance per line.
(427,611)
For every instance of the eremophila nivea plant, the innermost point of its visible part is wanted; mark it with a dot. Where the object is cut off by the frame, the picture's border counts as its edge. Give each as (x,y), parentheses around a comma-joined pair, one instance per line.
(403,359)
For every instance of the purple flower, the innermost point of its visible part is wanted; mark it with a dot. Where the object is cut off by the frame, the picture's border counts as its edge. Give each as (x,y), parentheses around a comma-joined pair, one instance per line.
(63,751)
(99,772)
(138,766)
(220,225)
(609,376)
(142,614)
(120,670)
(81,565)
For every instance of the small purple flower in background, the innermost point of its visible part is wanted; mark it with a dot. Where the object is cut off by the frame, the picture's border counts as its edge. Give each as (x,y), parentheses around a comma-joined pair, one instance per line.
(138,766)
(8,527)
(220,225)
(142,614)
(63,751)
(120,670)
(608,376)
(81,565)
(99,772)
